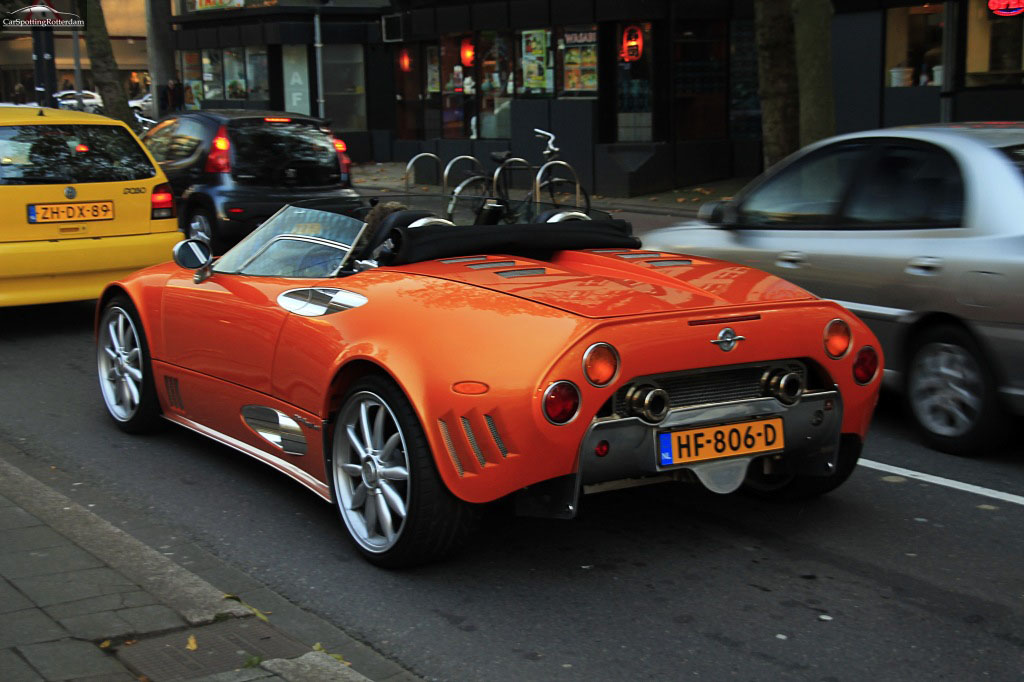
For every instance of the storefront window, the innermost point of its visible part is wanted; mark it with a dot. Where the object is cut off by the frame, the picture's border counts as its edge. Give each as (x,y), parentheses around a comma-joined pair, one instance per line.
(345,86)
(635,73)
(913,46)
(496,84)
(535,63)
(458,88)
(259,79)
(213,75)
(192,79)
(700,83)
(409,75)
(995,44)
(234,73)
(577,61)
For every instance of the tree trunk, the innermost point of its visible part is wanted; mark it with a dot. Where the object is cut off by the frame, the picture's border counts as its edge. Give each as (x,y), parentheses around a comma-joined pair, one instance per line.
(159,49)
(777,78)
(102,64)
(812,27)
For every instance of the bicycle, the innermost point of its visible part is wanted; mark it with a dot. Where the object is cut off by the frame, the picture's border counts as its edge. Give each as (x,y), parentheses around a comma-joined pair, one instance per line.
(494,192)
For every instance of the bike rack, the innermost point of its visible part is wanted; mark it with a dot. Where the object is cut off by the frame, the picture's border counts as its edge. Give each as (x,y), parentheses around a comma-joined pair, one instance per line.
(448,168)
(412,162)
(500,169)
(540,176)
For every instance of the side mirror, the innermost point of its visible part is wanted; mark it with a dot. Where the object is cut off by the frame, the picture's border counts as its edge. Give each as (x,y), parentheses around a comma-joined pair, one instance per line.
(721,213)
(194,254)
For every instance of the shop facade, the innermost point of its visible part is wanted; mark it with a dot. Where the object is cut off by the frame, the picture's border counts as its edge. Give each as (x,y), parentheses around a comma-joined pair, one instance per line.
(900,63)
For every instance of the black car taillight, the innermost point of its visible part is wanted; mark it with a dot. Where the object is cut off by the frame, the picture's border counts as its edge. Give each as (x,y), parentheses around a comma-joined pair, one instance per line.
(162,202)
(219,159)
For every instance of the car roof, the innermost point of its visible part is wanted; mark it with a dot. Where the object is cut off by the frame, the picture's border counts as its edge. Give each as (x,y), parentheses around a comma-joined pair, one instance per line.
(225,115)
(47,116)
(992,134)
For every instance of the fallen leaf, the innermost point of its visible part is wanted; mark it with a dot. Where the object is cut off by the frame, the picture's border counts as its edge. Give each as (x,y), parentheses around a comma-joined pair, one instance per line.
(726,198)
(130,642)
(680,200)
(652,198)
(695,199)
(424,188)
(191,645)
(105,644)
(252,662)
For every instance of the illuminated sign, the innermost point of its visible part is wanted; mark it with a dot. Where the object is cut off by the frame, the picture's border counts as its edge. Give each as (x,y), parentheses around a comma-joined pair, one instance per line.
(1006,8)
(633,43)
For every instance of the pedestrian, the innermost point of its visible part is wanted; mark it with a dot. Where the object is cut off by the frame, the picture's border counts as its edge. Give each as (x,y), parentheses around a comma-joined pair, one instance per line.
(172,99)
(19,94)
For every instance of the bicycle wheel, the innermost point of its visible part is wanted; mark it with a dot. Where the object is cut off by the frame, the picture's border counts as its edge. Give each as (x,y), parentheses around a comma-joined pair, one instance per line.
(469,198)
(561,193)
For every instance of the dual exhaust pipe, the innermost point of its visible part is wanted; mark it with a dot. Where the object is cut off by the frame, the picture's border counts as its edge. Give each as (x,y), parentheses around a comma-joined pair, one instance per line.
(652,404)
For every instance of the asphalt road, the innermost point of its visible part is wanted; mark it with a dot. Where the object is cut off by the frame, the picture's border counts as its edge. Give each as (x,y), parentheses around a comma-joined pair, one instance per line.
(886,578)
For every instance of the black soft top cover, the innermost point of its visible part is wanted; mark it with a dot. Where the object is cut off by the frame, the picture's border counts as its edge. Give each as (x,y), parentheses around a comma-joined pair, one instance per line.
(537,240)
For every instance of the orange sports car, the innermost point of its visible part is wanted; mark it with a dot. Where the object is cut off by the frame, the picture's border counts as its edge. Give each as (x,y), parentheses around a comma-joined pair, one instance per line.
(409,370)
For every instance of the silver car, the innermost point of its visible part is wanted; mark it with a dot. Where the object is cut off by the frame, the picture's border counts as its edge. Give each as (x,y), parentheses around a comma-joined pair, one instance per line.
(920,232)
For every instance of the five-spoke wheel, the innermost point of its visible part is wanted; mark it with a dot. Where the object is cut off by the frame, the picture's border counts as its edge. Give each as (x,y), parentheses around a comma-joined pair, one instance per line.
(122,360)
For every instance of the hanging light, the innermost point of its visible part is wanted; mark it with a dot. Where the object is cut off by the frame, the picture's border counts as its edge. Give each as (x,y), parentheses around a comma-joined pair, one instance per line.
(468,52)
(632,43)
(404,60)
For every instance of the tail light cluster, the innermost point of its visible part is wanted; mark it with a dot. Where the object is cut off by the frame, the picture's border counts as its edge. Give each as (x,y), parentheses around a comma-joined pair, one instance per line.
(839,340)
(561,402)
(161,202)
(340,147)
(219,159)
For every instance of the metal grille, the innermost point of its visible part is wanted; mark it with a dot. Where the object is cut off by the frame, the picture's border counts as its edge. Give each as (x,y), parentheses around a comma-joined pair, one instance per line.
(706,387)
(471,437)
(492,427)
(521,273)
(451,447)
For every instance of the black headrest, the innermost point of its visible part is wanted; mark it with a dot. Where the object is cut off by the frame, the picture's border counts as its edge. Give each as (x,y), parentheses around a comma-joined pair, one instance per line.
(402,218)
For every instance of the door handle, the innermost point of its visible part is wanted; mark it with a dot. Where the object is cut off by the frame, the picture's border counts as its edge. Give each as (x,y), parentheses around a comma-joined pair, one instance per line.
(790,259)
(923,265)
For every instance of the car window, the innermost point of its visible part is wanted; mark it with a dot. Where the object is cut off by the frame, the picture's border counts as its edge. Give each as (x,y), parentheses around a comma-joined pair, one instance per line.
(158,140)
(290,153)
(806,193)
(907,185)
(42,154)
(184,140)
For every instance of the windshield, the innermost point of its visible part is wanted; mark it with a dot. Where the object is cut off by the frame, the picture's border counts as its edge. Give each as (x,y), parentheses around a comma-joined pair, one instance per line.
(295,242)
(1015,154)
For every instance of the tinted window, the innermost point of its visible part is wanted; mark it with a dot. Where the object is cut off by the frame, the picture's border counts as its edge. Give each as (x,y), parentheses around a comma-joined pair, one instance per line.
(158,140)
(289,154)
(908,185)
(42,154)
(185,139)
(808,192)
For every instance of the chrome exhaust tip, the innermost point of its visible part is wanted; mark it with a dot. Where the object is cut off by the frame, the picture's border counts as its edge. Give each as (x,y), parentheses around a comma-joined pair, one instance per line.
(650,403)
(786,387)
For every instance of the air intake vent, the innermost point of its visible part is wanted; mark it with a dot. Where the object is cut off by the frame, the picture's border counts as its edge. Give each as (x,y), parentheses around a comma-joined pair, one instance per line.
(471,437)
(173,394)
(666,263)
(463,259)
(635,255)
(451,447)
(495,435)
(492,264)
(522,273)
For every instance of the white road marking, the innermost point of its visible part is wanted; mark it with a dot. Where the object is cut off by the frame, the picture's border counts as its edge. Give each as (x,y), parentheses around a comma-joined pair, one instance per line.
(949,483)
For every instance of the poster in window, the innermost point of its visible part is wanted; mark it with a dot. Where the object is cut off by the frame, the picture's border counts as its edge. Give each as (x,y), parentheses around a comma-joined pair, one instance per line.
(433,70)
(192,80)
(580,61)
(535,48)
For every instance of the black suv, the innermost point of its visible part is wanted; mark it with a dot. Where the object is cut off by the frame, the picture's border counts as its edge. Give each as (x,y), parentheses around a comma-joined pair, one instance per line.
(231,170)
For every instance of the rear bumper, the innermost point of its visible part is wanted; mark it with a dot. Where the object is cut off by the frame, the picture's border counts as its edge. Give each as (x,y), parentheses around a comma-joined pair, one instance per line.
(75,269)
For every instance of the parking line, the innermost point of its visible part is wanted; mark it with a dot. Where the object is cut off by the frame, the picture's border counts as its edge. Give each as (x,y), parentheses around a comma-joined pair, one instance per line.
(938,480)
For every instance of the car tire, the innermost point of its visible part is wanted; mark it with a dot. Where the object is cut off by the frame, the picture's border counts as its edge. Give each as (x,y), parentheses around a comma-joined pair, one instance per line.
(391,498)
(798,487)
(200,223)
(124,368)
(950,393)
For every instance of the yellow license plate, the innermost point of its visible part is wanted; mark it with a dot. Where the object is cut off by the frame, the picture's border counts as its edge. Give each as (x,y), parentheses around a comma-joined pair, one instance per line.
(67,213)
(714,442)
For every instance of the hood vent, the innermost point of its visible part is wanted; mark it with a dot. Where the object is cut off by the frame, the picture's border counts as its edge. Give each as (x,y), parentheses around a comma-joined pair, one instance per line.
(666,263)
(521,273)
(492,264)
(646,254)
(464,259)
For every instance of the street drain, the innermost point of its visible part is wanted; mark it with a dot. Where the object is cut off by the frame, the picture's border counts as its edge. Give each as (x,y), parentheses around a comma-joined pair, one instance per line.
(219,647)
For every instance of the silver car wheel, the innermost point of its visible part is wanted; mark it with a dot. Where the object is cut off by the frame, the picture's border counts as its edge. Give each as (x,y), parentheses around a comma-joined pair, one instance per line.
(371,472)
(199,228)
(119,362)
(946,389)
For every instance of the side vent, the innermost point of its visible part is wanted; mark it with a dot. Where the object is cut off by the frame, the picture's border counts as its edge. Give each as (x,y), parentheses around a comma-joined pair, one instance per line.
(495,435)
(521,273)
(451,447)
(471,437)
(173,393)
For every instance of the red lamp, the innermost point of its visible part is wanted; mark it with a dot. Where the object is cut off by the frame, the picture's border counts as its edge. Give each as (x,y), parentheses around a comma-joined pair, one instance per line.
(468,52)
(404,60)
(632,43)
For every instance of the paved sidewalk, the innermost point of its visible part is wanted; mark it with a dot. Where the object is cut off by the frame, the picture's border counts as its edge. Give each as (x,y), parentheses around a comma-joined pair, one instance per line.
(682,202)
(81,599)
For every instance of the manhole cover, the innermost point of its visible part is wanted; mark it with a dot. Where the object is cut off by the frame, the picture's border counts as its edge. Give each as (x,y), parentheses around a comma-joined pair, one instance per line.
(219,647)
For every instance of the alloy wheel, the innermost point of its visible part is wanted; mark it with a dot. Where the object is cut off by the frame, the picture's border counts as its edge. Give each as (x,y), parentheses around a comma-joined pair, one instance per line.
(371,472)
(120,364)
(946,389)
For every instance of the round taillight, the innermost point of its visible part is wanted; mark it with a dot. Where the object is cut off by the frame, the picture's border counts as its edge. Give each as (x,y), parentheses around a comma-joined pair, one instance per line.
(600,364)
(865,366)
(561,402)
(837,338)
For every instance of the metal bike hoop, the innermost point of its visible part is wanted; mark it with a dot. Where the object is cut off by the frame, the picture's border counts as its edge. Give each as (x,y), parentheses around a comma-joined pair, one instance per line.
(450,210)
(412,162)
(448,169)
(540,176)
(500,169)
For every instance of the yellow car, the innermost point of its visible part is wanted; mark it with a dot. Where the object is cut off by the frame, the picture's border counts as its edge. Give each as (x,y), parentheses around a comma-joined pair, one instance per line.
(82,203)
